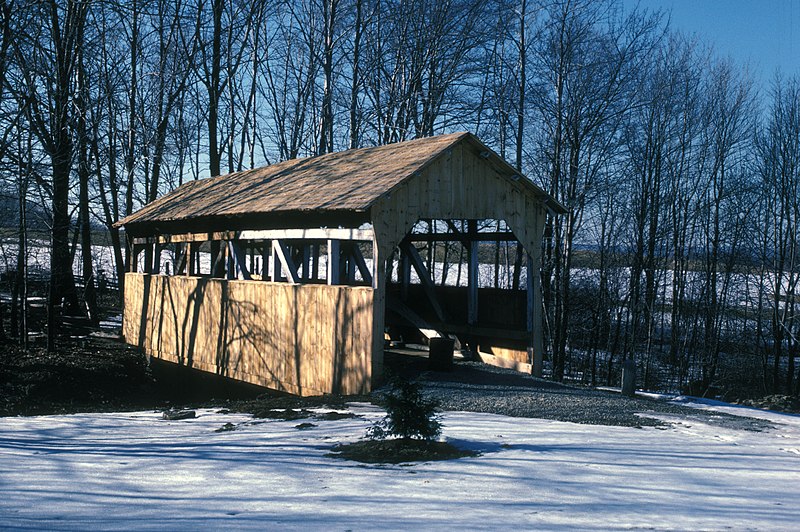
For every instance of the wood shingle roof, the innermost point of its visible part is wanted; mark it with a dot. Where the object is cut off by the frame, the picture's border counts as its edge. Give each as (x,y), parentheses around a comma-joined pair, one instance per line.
(347,181)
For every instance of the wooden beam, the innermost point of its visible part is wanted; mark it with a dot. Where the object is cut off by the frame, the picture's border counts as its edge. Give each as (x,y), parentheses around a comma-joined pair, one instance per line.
(455,231)
(181,253)
(360,235)
(281,253)
(315,261)
(489,236)
(357,235)
(487,332)
(472,273)
(217,259)
(404,275)
(230,262)
(135,250)
(305,258)
(238,259)
(157,257)
(266,263)
(361,264)
(535,315)
(427,283)
(148,258)
(347,271)
(375,281)
(404,311)
(193,259)
(378,314)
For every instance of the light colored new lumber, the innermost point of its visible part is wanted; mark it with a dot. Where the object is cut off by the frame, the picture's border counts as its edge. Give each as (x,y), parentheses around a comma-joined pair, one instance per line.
(282,336)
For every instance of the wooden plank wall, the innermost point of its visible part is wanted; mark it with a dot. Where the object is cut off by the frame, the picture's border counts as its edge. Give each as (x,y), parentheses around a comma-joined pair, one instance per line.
(303,339)
(459,185)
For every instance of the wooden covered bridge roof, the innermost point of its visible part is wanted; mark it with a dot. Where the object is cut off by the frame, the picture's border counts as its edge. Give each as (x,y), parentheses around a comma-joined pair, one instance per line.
(294,192)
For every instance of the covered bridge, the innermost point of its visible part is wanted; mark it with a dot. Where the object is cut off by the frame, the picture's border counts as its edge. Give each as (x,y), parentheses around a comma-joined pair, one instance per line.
(291,276)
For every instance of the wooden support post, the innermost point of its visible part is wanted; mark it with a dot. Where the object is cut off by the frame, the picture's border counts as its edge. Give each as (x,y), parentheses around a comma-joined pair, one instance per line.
(193,259)
(217,259)
(530,301)
(135,250)
(629,377)
(333,262)
(283,257)
(275,273)
(404,274)
(266,263)
(237,261)
(427,283)
(253,268)
(156,265)
(181,253)
(315,261)
(230,262)
(472,272)
(348,266)
(305,257)
(378,314)
(535,317)
(359,262)
(148,258)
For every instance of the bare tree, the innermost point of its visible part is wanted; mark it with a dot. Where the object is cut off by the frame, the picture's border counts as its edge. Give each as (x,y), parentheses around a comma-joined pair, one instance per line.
(587,62)
(222,34)
(49,61)
(730,121)
(779,164)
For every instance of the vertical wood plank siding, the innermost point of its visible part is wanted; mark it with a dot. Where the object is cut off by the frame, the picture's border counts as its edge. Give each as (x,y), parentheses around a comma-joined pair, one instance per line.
(458,185)
(303,339)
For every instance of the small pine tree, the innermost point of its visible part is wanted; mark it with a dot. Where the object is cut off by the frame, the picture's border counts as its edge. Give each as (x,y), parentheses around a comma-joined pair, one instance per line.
(408,414)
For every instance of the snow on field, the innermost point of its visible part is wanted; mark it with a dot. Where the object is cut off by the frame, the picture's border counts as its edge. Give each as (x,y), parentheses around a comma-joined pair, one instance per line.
(136,471)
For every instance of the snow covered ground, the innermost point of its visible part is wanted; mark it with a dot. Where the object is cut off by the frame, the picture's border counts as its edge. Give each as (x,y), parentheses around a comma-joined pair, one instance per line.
(135,471)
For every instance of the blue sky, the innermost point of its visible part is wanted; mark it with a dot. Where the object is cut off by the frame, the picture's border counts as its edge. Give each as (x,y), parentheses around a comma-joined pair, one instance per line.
(762,33)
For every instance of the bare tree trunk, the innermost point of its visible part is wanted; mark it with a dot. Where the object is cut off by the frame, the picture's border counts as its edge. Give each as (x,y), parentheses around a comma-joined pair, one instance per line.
(130,150)
(215,90)
(67,37)
(355,84)
(84,173)
(326,119)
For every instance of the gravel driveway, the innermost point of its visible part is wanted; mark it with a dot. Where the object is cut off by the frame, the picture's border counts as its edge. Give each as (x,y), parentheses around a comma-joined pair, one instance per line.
(477,387)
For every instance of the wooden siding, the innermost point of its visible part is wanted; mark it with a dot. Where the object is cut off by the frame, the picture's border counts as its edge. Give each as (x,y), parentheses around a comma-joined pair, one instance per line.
(303,339)
(459,184)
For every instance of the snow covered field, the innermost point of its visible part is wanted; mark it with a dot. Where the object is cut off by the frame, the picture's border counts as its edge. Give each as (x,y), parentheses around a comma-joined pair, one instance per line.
(136,471)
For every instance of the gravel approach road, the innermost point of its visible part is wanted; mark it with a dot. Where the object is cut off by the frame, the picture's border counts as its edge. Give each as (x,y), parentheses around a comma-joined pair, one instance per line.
(478,387)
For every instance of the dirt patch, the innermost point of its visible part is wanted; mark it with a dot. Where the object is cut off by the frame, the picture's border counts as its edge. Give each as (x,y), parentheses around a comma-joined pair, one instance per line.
(97,375)
(778,403)
(291,414)
(398,451)
(290,407)
(286,414)
(104,375)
